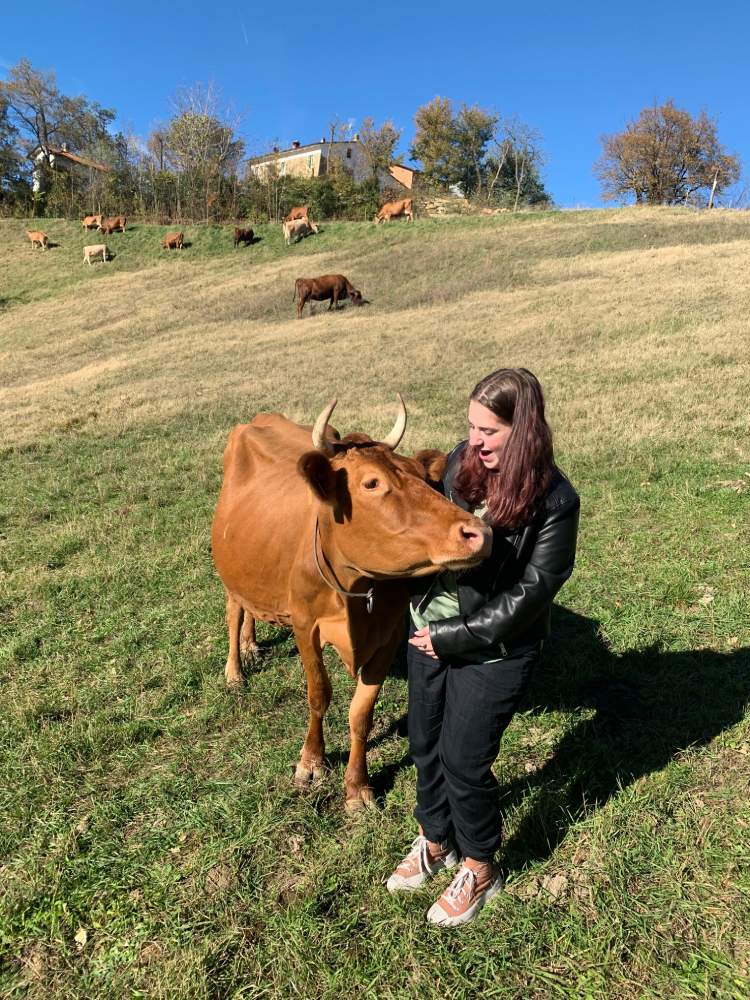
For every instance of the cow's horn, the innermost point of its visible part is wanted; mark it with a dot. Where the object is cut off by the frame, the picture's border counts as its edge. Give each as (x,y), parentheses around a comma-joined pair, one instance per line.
(394,438)
(319,430)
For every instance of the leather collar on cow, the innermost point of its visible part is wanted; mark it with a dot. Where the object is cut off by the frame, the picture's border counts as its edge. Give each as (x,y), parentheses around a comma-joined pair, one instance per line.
(369,596)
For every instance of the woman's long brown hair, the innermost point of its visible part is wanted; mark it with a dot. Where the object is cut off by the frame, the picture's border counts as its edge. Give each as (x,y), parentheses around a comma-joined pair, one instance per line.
(512,493)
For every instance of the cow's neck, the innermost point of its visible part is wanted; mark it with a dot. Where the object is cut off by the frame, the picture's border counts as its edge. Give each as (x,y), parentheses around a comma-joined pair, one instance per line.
(333,566)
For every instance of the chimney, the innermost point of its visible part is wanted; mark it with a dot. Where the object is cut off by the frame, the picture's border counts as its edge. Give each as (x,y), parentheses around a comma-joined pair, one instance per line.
(295,144)
(322,138)
(356,136)
(275,149)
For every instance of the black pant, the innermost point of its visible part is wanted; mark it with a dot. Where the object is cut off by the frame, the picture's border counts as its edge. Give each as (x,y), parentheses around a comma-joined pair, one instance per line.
(457,715)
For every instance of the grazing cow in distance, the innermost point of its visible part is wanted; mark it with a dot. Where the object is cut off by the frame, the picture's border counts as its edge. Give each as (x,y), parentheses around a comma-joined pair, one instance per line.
(327,286)
(394,210)
(295,230)
(96,251)
(109,226)
(38,237)
(91,221)
(321,534)
(245,236)
(298,212)
(173,241)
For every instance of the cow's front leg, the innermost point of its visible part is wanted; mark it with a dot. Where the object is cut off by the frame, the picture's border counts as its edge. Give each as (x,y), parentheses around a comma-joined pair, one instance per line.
(356,779)
(311,760)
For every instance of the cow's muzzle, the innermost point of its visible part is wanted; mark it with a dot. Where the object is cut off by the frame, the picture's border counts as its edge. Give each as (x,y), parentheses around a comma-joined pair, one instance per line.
(471,543)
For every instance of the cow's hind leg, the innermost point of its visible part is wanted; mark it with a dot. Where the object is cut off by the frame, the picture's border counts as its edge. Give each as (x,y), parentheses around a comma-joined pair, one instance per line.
(356,779)
(249,647)
(233,670)
(311,761)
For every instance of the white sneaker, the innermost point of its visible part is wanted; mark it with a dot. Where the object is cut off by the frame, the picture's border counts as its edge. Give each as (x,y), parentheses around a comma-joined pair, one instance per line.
(461,901)
(417,867)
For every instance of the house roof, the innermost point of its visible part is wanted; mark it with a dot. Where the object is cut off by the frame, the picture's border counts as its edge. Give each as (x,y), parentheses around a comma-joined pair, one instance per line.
(301,149)
(74,158)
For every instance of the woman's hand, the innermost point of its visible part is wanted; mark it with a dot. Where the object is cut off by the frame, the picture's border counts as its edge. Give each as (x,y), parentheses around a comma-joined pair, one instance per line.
(421,640)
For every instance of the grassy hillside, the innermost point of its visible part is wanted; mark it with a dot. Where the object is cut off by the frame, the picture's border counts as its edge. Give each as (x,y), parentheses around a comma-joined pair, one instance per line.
(151,842)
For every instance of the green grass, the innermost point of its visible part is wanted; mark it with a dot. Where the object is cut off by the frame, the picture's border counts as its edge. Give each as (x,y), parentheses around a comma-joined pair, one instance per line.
(32,275)
(145,805)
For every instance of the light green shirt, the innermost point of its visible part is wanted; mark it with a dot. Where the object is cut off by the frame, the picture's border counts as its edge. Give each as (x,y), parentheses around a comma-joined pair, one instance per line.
(441,600)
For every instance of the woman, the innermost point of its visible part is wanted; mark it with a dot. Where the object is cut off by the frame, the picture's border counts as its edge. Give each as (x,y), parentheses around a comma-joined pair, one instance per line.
(477,636)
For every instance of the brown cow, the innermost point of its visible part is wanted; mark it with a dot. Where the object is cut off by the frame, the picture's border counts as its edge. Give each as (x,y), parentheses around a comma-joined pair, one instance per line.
(320,534)
(38,237)
(298,212)
(91,221)
(395,209)
(245,236)
(173,241)
(109,226)
(327,286)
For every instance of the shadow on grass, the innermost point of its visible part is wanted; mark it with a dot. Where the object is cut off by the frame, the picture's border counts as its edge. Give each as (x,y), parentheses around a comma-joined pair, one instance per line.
(649,705)
(6,301)
(269,651)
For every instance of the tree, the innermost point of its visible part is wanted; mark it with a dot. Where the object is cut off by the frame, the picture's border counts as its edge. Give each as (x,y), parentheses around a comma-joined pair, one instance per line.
(473,129)
(11,167)
(664,157)
(433,141)
(44,117)
(491,158)
(202,147)
(379,145)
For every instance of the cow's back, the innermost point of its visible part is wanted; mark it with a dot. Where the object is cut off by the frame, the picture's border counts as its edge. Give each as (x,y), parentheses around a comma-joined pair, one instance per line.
(264,513)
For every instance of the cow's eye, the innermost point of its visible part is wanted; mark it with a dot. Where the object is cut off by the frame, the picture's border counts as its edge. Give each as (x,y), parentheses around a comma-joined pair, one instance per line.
(371,484)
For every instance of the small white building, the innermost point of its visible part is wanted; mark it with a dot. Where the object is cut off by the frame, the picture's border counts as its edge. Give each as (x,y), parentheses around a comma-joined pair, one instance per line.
(314,159)
(60,159)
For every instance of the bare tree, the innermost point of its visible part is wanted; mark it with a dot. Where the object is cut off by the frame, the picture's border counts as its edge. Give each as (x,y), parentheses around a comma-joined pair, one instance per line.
(501,149)
(201,145)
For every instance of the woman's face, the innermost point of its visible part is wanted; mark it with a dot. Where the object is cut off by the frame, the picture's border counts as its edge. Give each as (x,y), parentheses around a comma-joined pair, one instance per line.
(488,434)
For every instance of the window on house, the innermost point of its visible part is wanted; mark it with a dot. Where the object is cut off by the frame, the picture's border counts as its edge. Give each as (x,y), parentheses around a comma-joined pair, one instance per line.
(348,154)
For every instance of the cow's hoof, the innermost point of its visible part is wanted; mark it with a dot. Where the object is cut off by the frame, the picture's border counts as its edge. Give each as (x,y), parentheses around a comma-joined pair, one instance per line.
(234,680)
(308,775)
(364,799)
(250,653)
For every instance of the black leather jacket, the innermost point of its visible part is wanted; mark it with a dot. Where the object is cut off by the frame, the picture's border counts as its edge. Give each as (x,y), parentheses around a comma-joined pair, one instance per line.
(506,601)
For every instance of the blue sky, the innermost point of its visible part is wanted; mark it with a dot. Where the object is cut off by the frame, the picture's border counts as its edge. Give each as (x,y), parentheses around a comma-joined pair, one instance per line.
(573,71)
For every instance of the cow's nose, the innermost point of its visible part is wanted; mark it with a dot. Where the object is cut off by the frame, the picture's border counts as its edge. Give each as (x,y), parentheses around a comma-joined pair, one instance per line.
(476,537)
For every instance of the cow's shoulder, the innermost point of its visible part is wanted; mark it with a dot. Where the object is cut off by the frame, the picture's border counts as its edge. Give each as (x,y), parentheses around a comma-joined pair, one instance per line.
(267,438)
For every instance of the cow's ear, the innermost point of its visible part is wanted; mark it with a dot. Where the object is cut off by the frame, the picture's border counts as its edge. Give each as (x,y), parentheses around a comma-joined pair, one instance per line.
(316,469)
(433,462)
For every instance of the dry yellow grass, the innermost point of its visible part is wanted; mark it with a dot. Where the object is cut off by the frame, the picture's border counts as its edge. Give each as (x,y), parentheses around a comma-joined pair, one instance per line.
(630,344)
